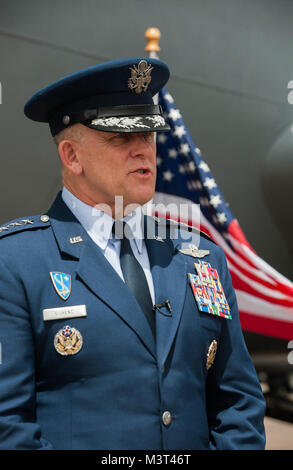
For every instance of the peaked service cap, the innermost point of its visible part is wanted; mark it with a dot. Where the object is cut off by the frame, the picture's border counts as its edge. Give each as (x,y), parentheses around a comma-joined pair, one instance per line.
(114,96)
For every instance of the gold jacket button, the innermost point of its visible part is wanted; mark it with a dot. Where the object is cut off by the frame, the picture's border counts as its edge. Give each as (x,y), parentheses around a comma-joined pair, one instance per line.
(166,418)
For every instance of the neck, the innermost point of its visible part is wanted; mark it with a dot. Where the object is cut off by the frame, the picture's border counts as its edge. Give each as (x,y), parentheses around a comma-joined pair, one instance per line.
(117,210)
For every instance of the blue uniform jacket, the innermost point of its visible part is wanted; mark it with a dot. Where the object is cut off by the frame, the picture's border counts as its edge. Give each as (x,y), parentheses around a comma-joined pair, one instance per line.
(114,392)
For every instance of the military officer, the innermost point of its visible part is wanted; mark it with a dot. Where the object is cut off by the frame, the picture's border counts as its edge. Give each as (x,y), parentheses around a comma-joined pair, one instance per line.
(115,332)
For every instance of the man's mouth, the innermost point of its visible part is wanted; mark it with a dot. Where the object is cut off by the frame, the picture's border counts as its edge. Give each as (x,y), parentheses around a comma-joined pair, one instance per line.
(142,171)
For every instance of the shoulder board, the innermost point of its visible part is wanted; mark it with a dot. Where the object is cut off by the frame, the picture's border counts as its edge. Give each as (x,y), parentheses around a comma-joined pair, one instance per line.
(190,228)
(25,223)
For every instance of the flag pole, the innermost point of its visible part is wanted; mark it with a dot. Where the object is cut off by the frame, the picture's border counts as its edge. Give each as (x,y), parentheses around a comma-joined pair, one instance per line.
(153,36)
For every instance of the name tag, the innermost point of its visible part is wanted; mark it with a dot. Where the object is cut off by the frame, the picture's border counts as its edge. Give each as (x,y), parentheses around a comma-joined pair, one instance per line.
(60,313)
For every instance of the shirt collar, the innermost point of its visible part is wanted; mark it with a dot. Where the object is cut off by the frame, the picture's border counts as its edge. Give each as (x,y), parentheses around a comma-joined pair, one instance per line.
(98,224)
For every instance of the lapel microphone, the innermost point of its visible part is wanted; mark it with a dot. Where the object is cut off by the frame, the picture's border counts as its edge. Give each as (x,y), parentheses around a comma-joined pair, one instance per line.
(166,304)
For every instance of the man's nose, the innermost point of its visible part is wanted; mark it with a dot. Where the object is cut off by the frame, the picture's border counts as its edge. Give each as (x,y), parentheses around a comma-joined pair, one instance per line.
(141,145)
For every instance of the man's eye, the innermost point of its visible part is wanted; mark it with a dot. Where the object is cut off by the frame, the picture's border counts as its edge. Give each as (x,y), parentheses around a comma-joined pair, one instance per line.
(125,137)
(119,138)
(149,136)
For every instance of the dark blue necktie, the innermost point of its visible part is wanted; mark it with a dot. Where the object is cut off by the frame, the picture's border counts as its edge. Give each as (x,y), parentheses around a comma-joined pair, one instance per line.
(133,273)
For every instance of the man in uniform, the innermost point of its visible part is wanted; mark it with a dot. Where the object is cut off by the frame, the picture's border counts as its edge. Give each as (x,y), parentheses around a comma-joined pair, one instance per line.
(117,334)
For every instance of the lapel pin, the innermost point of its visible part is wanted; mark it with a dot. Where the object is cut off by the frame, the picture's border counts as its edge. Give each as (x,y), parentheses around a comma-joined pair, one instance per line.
(74,240)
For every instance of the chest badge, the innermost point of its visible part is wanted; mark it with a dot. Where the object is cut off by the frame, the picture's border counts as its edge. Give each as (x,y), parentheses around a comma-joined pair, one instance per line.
(211,354)
(62,284)
(208,290)
(194,251)
(68,341)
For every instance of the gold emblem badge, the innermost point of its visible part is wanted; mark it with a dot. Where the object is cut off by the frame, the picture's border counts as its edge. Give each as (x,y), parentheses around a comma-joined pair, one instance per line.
(68,341)
(211,354)
(140,77)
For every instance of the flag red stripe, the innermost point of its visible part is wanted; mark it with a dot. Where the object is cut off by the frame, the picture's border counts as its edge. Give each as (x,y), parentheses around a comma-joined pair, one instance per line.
(266,326)
(276,286)
(235,230)
(239,284)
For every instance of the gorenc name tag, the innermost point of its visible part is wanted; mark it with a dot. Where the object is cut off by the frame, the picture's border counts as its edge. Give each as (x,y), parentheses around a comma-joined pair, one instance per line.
(60,313)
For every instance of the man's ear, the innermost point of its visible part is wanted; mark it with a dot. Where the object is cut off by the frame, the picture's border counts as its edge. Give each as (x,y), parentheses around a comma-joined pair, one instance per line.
(69,156)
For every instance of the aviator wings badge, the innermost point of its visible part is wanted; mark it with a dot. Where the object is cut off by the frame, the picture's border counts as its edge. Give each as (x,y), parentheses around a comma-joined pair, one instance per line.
(194,251)
(62,284)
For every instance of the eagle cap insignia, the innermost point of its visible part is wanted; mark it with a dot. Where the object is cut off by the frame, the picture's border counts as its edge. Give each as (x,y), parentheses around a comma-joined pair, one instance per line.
(68,341)
(140,77)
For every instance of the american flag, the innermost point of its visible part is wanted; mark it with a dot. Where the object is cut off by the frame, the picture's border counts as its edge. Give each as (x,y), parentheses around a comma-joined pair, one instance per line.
(265,297)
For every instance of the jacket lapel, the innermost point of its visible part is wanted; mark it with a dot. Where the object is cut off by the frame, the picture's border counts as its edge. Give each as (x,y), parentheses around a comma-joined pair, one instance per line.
(97,273)
(170,281)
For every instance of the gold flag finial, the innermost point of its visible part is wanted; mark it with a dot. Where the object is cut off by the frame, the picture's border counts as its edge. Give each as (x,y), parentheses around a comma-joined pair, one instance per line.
(153,36)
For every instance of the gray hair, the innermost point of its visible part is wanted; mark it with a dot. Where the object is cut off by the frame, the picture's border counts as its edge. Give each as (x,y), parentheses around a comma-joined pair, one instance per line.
(73,132)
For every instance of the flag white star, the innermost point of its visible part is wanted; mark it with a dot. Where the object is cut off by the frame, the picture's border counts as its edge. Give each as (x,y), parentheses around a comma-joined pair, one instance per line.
(169,98)
(191,167)
(197,150)
(204,167)
(174,114)
(179,131)
(215,201)
(189,185)
(168,175)
(161,138)
(172,153)
(222,217)
(184,149)
(181,169)
(210,183)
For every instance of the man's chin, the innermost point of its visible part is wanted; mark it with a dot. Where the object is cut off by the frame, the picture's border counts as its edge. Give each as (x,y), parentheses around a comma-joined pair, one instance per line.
(138,200)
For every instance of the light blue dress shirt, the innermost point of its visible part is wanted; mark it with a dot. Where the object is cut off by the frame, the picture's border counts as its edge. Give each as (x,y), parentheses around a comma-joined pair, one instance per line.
(98,225)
